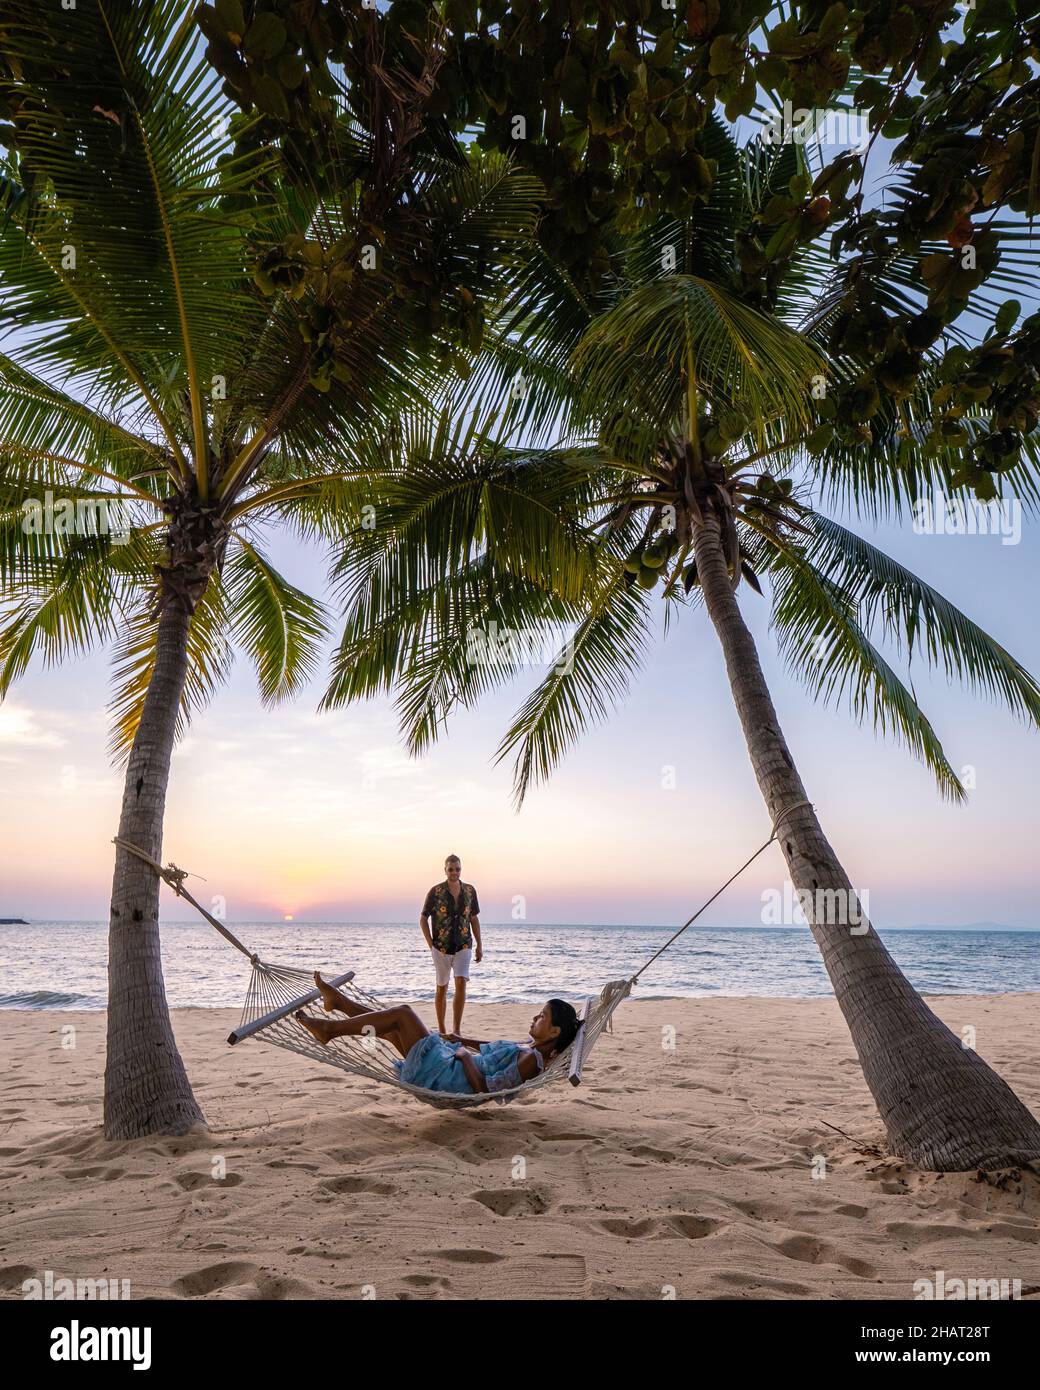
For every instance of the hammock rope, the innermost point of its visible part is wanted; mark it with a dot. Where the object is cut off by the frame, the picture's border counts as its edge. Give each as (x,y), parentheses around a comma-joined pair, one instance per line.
(276,992)
(719,892)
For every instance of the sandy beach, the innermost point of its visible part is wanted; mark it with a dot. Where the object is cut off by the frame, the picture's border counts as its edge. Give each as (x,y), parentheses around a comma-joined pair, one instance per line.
(685,1172)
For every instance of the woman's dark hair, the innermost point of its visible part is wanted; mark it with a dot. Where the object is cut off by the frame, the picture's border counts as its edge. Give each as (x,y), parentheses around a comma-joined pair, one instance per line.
(566,1019)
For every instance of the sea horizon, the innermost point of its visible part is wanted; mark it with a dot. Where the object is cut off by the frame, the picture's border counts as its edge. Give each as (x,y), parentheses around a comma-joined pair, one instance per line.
(63,965)
(581,926)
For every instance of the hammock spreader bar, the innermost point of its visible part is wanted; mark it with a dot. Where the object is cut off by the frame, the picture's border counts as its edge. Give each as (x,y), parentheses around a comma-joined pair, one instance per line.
(578,1045)
(246,1030)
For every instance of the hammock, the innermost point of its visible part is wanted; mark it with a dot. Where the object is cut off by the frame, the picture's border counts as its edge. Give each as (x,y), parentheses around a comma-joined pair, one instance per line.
(276,992)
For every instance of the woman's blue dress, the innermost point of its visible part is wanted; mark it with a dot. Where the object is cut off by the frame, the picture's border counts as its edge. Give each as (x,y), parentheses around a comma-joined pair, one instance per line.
(431,1062)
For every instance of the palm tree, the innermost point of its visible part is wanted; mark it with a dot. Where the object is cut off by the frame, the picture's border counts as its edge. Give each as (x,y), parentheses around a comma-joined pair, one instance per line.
(699,448)
(178,354)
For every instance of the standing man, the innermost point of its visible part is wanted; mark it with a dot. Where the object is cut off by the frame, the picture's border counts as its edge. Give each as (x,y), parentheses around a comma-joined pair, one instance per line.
(450,924)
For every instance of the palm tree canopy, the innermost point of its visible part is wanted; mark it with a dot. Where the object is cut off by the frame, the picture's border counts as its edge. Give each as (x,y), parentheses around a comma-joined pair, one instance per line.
(195,346)
(673,395)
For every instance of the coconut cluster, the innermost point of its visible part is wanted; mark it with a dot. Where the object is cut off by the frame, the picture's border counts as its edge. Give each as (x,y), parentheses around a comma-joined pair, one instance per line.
(649,561)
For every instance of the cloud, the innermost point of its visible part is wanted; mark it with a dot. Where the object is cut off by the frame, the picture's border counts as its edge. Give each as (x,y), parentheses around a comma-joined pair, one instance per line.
(386,762)
(20,727)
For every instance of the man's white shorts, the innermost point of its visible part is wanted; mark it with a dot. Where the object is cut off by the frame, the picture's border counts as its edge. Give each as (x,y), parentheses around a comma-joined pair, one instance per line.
(459,963)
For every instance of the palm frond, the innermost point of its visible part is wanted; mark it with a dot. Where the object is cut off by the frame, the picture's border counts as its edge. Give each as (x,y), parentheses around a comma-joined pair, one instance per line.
(446,491)
(591,675)
(210,658)
(45,506)
(280,627)
(36,415)
(129,118)
(644,350)
(71,598)
(919,620)
(825,644)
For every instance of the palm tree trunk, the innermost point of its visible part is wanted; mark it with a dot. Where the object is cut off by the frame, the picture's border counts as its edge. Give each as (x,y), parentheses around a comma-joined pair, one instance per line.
(942,1106)
(146,1087)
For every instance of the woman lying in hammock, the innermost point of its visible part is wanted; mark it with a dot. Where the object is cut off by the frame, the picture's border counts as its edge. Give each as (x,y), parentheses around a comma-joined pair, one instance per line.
(447,1063)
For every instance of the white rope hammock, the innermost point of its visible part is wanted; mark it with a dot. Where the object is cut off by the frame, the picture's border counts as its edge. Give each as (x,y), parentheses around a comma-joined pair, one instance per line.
(276,992)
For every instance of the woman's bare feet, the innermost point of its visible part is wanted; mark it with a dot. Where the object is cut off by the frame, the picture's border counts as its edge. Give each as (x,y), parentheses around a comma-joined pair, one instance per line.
(329,995)
(319,1028)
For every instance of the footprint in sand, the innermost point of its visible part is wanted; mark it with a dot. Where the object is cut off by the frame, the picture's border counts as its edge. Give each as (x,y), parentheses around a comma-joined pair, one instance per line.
(692,1227)
(513,1201)
(13,1276)
(808,1250)
(658,1155)
(923,1233)
(72,1146)
(466,1257)
(175,1148)
(759,1209)
(1015,1231)
(928,1233)
(628,1229)
(191,1182)
(277,1286)
(206,1281)
(424,1286)
(355,1184)
(780,1287)
(486,1149)
(682,1223)
(239,1279)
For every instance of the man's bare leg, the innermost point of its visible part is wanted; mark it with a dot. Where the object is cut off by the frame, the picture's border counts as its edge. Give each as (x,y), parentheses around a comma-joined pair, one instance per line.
(441,1005)
(458,1003)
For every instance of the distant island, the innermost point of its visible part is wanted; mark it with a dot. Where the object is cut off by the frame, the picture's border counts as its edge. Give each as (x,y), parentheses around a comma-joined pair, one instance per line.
(13,922)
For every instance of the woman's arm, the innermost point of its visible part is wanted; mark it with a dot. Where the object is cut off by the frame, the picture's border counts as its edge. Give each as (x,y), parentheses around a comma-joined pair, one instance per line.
(475,1077)
(527,1066)
(466,1042)
(507,1076)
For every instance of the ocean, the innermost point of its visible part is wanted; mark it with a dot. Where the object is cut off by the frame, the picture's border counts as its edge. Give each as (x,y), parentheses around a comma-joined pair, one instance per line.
(62,965)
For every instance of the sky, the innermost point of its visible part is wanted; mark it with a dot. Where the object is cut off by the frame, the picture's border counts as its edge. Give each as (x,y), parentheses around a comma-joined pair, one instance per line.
(288,812)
